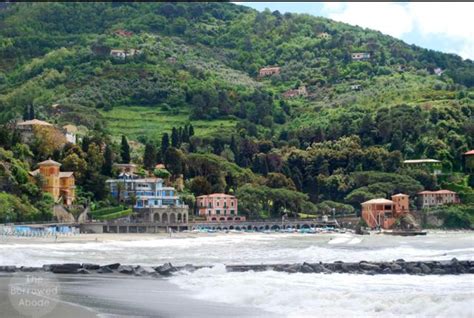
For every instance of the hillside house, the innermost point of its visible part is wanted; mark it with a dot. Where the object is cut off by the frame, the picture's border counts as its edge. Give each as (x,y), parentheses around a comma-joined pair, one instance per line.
(324,35)
(218,207)
(383,213)
(356,87)
(438,71)
(468,161)
(122,54)
(27,128)
(126,170)
(431,165)
(61,185)
(360,56)
(122,32)
(300,91)
(427,199)
(70,131)
(268,71)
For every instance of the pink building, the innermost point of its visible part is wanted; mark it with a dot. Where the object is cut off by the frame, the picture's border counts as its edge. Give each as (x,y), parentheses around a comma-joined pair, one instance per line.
(218,207)
(267,71)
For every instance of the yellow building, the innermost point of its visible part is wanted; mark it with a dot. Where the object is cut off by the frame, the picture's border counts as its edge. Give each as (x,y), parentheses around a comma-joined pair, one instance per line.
(61,185)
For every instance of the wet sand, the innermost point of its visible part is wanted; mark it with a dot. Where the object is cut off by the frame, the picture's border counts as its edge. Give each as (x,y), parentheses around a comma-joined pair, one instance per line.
(118,296)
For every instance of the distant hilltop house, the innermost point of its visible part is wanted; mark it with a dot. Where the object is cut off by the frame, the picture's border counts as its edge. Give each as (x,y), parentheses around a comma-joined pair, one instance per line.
(383,213)
(153,201)
(119,53)
(431,165)
(218,207)
(60,184)
(356,87)
(70,131)
(427,199)
(360,56)
(324,35)
(438,71)
(126,170)
(300,91)
(27,128)
(122,32)
(268,71)
(468,161)
(171,60)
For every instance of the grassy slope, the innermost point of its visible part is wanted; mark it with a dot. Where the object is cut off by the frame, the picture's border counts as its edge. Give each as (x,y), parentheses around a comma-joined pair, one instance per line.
(136,121)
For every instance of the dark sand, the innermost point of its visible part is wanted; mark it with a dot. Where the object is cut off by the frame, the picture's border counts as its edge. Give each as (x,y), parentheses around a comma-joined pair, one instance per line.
(108,295)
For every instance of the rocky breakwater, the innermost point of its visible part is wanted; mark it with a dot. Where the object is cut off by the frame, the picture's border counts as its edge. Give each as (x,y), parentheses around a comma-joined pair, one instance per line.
(452,267)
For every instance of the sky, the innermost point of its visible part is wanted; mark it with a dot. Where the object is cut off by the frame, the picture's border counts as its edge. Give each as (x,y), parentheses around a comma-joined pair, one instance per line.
(446,27)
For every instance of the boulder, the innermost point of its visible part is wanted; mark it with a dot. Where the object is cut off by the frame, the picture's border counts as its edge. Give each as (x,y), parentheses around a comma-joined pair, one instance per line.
(395,268)
(369,266)
(471,270)
(350,268)
(104,270)
(438,271)
(8,269)
(125,269)
(387,270)
(189,268)
(113,266)
(425,268)
(144,271)
(83,271)
(319,268)
(90,266)
(30,269)
(68,268)
(306,268)
(165,269)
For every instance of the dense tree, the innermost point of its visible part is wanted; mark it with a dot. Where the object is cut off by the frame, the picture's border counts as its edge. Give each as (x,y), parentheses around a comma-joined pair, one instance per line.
(125,150)
(149,156)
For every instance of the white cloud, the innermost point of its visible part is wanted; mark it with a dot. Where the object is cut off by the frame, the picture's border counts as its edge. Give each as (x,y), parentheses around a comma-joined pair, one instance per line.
(452,22)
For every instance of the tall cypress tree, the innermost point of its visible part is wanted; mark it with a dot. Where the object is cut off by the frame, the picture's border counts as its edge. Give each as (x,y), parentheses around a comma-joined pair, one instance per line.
(165,143)
(174,138)
(191,130)
(26,113)
(32,112)
(108,161)
(125,150)
(149,157)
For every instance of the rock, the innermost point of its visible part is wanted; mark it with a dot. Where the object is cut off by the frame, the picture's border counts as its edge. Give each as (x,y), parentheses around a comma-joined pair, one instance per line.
(395,268)
(471,270)
(425,268)
(318,268)
(104,270)
(438,271)
(369,267)
(165,269)
(400,260)
(144,271)
(306,268)
(8,269)
(30,269)
(415,270)
(189,268)
(113,266)
(83,271)
(387,270)
(70,268)
(350,267)
(125,269)
(90,266)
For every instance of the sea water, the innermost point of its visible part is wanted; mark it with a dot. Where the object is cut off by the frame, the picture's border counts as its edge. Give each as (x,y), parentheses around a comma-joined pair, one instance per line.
(291,295)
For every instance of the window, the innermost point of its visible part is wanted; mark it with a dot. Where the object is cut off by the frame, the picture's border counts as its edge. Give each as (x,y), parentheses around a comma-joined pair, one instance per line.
(231,203)
(232,212)
(217,203)
(218,211)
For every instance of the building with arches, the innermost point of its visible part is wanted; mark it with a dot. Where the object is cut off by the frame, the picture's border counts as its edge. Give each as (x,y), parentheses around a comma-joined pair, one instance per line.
(219,207)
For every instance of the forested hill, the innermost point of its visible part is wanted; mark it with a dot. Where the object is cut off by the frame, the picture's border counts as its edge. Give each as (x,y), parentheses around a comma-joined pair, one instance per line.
(199,63)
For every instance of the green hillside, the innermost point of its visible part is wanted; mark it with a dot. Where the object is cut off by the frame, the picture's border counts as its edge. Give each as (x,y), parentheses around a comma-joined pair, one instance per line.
(198,64)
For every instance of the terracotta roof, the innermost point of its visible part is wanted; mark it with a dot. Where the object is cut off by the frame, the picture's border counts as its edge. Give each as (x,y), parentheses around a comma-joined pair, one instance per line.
(66,174)
(124,165)
(34,172)
(70,128)
(400,195)
(378,201)
(437,192)
(49,162)
(34,122)
(214,195)
(422,161)
(469,153)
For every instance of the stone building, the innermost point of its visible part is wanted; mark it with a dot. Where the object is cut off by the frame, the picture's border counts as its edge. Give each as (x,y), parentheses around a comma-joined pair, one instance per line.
(267,71)
(300,91)
(427,199)
(27,128)
(219,207)
(60,184)
(360,56)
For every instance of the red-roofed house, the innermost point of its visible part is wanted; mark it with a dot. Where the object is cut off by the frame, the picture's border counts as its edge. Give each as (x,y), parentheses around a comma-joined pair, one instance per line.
(266,71)
(384,213)
(468,157)
(428,199)
(219,207)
